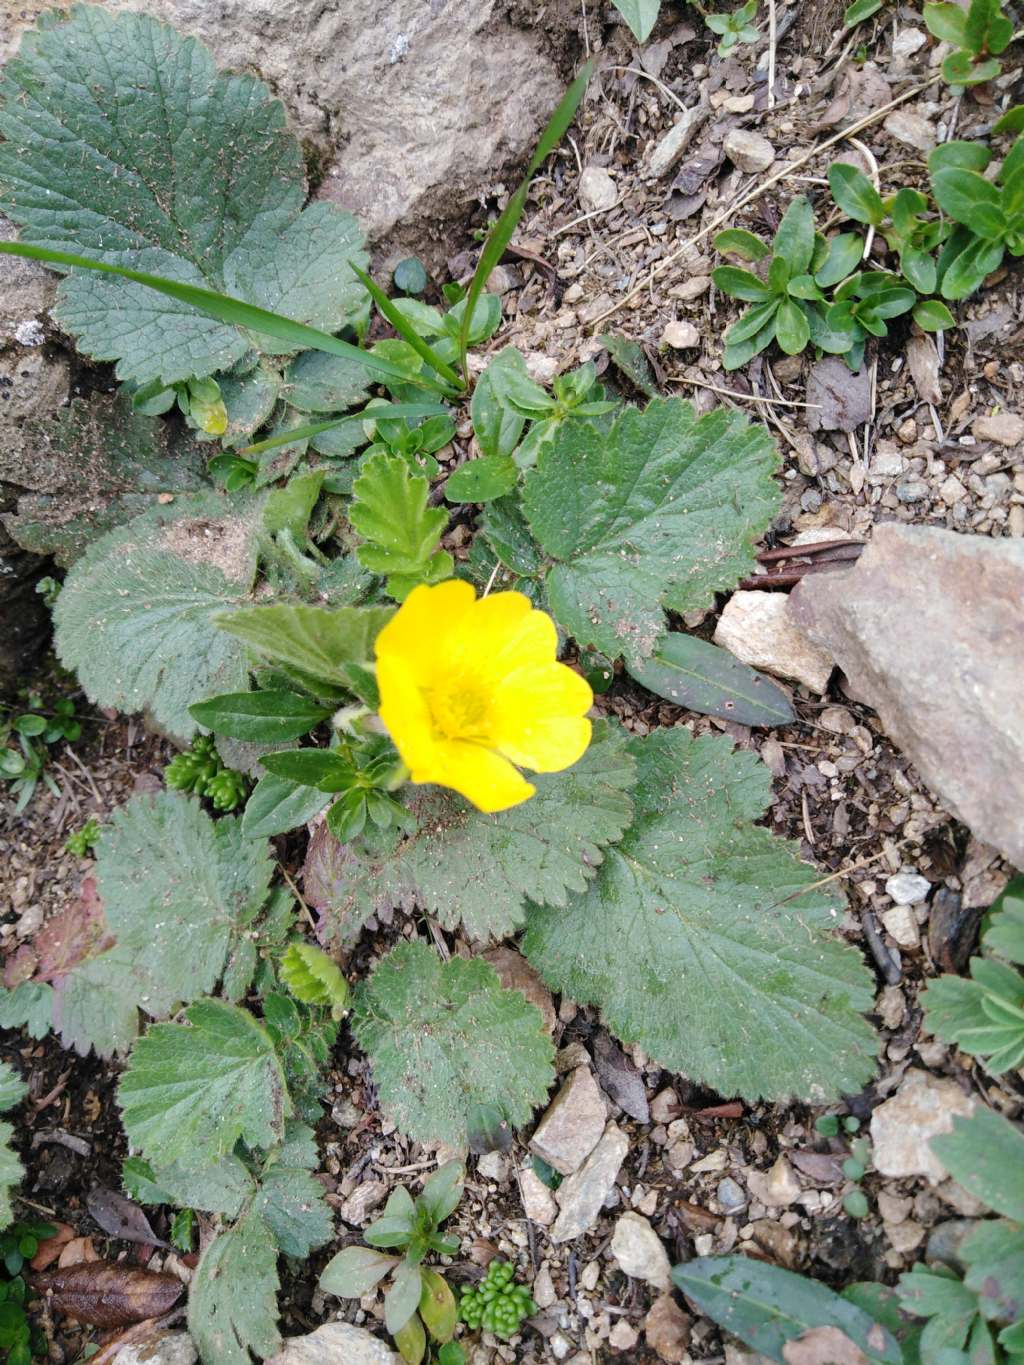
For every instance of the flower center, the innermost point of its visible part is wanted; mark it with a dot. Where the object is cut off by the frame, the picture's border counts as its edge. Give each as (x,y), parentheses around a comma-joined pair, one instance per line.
(460,709)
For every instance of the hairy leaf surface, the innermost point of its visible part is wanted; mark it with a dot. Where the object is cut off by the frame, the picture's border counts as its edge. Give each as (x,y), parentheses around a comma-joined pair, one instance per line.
(194,177)
(703,939)
(12,1089)
(291,1200)
(478,870)
(446,1038)
(661,511)
(232,1304)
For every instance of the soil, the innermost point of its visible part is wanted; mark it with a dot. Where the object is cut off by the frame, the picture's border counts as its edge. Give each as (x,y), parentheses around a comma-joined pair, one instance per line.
(851,800)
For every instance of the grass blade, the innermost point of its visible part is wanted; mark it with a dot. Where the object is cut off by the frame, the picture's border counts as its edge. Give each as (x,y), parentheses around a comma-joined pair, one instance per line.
(405,330)
(234,312)
(501,234)
(386,411)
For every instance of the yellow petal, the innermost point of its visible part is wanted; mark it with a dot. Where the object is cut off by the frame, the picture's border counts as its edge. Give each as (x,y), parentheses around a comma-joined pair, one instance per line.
(403,709)
(420,629)
(478,774)
(537,717)
(503,633)
(547,746)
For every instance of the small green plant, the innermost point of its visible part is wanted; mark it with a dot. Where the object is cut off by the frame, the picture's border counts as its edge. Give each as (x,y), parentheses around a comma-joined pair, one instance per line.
(734,28)
(978,33)
(989,214)
(861,10)
(200,769)
(314,978)
(418,1303)
(903,220)
(24,738)
(497,1304)
(410,276)
(83,841)
(18,1244)
(199,400)
(49,590)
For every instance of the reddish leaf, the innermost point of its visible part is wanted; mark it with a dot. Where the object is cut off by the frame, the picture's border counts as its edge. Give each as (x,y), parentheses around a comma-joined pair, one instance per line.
(104,1294)
(20,966)
(76,933)
(50,1249)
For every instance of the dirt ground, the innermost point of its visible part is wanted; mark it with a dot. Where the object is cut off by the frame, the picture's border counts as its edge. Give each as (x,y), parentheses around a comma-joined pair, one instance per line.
(841,789)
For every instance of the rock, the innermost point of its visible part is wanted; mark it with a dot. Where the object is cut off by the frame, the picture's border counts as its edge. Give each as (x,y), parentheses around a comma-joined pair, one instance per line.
(573,1124)
(667,1330)
(597,189)
(946,1239)
(665,1106)
(894,1208)
(776,1188)
(493,1166)
(904,1237)
(27,290)
(748,151)
(681,336)
(170,1348)
(908,41)
(32,384)
(912,129)
(901,923)
(907,888)
(730,1195)
(538,1201)
(423,134)
(516,974)
(356,1208)
(756,627)
(543,1289)
(581,1196)
(639,1251)
(925,606)
(675,142)
(902,1127)
(333,1343)
(1005,428)
(622,1337)
(691,288)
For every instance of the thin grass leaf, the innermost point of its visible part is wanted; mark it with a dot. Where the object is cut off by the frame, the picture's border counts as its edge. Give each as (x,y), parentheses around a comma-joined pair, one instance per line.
(233,311)
(501,234)
(311,429)
(402,326)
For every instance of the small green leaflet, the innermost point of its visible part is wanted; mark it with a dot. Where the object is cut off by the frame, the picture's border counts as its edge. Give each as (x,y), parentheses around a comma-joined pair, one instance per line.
(270,717)
(12,1089)
(232,1303)
(953,1313)
(192,1090)
(219,1188)
(445,1038)
(703,939)
(985,1154)
(692,673)
(768,1307)
(479,870)
(291,1201)
(640,15)
(28,1006)
(233,223)
(135,617)
(389,510)
(96,1005)
(318,642)
(662,511)
(277,805)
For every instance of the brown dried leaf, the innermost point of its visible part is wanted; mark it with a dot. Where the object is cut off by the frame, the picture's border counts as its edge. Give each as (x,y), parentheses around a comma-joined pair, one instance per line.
(823,1346)
(819,1167)
(50,1249)
(841,399)
(620,1078)
(923,359)
(121,1217)
(105,1294)
(79,1251)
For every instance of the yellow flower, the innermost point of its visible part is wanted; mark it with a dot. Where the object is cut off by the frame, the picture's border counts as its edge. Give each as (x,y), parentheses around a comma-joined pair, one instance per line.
(469,688)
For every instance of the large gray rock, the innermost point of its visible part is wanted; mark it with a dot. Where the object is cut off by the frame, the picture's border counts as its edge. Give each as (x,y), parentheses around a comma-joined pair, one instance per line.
(414,106)
(336,1343)
(929,629)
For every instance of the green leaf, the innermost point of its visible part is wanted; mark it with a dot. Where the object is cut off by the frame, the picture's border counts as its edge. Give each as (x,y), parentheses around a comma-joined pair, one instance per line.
(660,512)
(845,252)
(322,768)
(740,242)
(994,1257)
(1005,932)
(482,480)
(389,509)
(985,1154)
(792,330)
(966,271)
(260,717)
(289,508)
(932,315)
(478,870)
(961,194)
(321,642)
(630,359)
(96,1005)
(277,806)
(964,156)
(767,1307)
(794,240)
(1010,122)
(704,939)
(443,1191)
(402,1299)
(396,316)
(12,1090)
(221,1187)
(291,1202)
(860,10)
(947,22)
(983,1016)
(740,284)
(139,189)
(355,1270)
(496,426)
(445,1037)
(135,617)
(232,1302)
(640,15)
(314,978)
(952,1308)
(190,1091)
(855,194)
(29,1006)
(700,676)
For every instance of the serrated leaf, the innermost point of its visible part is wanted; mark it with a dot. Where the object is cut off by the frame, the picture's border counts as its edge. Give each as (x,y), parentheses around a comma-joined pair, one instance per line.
(985,1154)
(91,467)
(28,1006)
(312,977)
(703,939)
(1005,933)
(96,1005)
(640,15)
(952,1310)
(983,1016)
(479,870)
(12,1090)
(318,382)
(692,673)
(190,1091)
(142,186)
(630,359)
(222,1187)
(768,1307)
(320,642)
(402,534)
(232,1302)
(291,1201)
(289,508)
(994,1257)
(482,480)
(277,805)
(661,512)
(445,1037)
(135,617)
